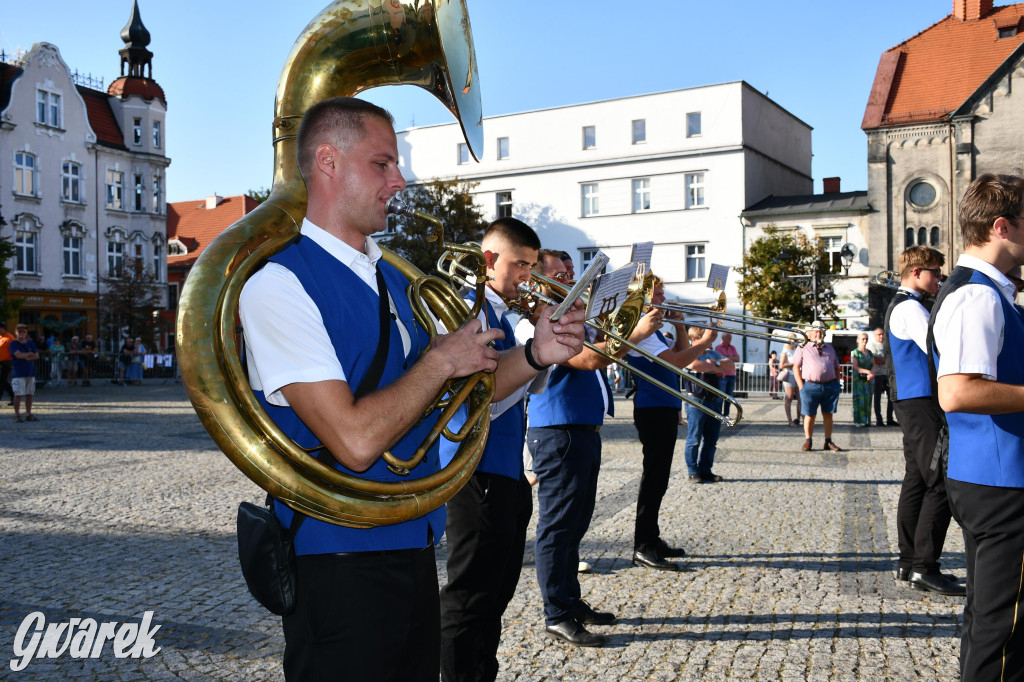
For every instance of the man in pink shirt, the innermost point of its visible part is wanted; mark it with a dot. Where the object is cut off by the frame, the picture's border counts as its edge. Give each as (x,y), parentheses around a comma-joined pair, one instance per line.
(816,370)
(728,378)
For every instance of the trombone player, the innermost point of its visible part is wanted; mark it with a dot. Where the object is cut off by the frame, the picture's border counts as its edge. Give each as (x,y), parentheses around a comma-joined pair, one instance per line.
(309,318)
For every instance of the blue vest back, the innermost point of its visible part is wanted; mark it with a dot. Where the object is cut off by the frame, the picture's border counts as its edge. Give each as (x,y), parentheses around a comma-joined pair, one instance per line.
(989,449)
(503,453)
(909,376)
(573,396)
(647,394)
(346,303)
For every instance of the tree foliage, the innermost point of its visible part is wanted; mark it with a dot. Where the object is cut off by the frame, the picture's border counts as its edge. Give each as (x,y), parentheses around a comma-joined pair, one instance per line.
(129,301)
(8,308)
(260,195)
(765,289)
(451,202)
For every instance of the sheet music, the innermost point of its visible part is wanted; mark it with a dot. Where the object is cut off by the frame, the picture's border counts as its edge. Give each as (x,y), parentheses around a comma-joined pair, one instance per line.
(610,292)
(596,266)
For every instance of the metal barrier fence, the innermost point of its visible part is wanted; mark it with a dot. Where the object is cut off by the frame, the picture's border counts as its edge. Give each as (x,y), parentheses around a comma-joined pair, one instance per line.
(62,369)
(754,377)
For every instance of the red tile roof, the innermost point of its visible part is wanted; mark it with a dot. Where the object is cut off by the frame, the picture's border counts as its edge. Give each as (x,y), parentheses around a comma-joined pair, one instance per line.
(126,86)
(196,226)
(101,118)
(928,76)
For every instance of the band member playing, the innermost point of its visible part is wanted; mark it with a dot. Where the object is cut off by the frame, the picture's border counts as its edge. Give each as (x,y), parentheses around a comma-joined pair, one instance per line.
(978,333)
(922,514)
(311,320)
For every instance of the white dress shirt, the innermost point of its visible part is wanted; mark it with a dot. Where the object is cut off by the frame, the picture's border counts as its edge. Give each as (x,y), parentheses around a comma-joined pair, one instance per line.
(910,322)
(969,324)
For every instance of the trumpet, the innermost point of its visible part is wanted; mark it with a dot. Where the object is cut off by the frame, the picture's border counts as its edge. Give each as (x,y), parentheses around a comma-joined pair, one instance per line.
(890,279)
(773,329)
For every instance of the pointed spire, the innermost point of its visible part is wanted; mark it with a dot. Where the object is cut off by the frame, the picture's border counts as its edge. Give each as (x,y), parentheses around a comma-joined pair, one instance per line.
(136,39)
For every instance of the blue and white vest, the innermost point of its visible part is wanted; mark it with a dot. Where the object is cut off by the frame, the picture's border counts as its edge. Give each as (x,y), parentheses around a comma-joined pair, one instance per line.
(909,376)
(573,396)
(346,304)
(503,453)
(989,449)
(647,394)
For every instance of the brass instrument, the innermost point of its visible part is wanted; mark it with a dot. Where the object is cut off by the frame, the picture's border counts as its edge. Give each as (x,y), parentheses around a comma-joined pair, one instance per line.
(350,46)
(616,328)
(774,329)
(890,279)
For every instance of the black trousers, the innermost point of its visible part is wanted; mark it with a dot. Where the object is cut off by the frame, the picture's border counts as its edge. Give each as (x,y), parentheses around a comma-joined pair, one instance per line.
(882,386)
(992,519)
(5,379)
(922,513)
(486,533)
(657,428)
(366,616)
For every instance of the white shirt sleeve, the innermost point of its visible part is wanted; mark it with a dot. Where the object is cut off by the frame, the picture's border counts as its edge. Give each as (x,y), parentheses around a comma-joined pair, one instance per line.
(652,344)
(909,321)
(969,332)
(285,338)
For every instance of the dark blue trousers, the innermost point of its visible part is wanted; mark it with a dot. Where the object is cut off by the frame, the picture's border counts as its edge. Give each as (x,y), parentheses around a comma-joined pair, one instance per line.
(566,461)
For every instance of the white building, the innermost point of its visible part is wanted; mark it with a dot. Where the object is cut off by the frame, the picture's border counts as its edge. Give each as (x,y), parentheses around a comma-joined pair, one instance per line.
(676,168)
(82,173)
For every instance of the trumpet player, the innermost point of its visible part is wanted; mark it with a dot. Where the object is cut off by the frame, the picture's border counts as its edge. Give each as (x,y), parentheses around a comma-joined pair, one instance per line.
(311,318)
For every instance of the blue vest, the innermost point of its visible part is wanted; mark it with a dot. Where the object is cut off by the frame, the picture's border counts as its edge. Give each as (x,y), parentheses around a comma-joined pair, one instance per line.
(350,311)
(503,453)
(573,396)
(647,394)
(989,449)
(909,376)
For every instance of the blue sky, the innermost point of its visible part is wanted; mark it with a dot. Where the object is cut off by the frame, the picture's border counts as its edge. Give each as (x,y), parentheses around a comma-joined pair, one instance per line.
(218,63)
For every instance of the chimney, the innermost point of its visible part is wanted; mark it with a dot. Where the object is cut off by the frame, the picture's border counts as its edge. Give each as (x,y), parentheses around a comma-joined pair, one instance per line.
(212,201)
(830,185)
(971,10)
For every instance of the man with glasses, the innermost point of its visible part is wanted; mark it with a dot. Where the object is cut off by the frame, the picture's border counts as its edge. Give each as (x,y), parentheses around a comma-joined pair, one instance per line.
(922,513)
(977,334)
(816,370)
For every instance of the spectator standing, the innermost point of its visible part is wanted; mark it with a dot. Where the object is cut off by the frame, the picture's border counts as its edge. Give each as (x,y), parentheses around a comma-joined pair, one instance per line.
(73,360)
(816,368)
(788,380)
(728,376)
(57,353)
(88,359)
(5,362)
(881,384)
(134,373)
(24,354)
(862,361)
(702,430)
(773,375)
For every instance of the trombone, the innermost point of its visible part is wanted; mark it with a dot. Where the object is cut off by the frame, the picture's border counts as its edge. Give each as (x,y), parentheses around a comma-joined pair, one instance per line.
(890,279)
(774,329)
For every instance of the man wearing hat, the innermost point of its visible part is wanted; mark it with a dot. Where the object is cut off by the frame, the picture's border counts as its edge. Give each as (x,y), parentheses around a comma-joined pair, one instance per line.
(816,370)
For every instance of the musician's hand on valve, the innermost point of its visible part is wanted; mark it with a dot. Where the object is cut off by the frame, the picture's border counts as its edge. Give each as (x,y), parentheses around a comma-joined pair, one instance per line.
(466,351)
(555,342)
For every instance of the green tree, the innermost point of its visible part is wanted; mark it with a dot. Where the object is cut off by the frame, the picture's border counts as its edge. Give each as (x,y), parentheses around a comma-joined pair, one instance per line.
(765,289)
(8,308)
(451,202)
(260,195)
(129,299)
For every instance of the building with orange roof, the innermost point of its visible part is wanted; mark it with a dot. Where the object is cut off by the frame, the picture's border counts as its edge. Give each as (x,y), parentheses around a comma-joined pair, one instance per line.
(941,112)
(83,172)
(191,226)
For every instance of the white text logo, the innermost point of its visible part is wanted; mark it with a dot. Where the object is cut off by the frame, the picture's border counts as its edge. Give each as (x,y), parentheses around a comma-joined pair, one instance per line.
(81,638)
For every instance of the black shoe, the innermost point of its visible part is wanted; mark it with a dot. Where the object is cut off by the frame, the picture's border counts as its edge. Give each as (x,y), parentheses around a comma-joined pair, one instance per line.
(903,575)
(879,423)
(829,445)
(937,583)
(891,423)
(697,478)
(572,632)
(710,477)
(650,559)
(665,551)
(583,612)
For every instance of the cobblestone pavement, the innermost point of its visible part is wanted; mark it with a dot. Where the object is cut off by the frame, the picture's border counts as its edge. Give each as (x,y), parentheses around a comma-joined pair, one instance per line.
(116,503)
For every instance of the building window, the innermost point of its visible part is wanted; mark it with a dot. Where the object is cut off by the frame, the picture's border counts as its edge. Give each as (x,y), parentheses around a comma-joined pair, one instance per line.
(504,205)
(922,236)
(71,182)
(73,256)
(934,241)
(115,255)
(463,153)
(502,148)
(158,261)
(172,296)
(589,194)
(908,237)
(587,257)
(641,195)
(139,204)
(48,108)
(156,134)
(1007,31)
(176,248)
(694,190)
(25,174)
(25,252)
(832,248)
(589,137)
(137,132)
(115,190)
(693,124)
(694,262)
(922,194)
(157,198)
(639,131)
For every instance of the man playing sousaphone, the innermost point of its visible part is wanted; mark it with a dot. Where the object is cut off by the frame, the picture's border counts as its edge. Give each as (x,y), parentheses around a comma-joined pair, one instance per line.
(366,598)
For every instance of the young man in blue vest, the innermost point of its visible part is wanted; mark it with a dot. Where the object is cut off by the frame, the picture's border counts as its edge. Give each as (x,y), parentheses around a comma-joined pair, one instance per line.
(977,335)
(922,514)
(656,418)
(487,519)
(367,600)
(565,442)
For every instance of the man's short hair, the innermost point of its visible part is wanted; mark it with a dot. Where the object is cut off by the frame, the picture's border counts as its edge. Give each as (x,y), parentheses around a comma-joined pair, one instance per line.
(340,121)
(694,332)
(515,232)
(920,257)
(20,326)
(989,197)
(547,253)
(564,255)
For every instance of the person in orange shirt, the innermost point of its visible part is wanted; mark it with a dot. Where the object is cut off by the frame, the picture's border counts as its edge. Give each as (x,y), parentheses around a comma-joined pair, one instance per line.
(5,362)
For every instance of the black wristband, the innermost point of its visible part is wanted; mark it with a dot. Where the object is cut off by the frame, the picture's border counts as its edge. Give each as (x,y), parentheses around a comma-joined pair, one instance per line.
(530,359)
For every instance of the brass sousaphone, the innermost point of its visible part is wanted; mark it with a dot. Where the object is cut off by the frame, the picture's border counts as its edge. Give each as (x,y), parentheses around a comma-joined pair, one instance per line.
(352,45)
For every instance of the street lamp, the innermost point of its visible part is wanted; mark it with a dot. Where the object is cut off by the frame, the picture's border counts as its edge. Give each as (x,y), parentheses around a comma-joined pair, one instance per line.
(814,281)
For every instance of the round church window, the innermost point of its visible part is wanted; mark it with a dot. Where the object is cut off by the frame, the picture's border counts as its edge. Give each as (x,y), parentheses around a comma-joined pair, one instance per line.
(922,195)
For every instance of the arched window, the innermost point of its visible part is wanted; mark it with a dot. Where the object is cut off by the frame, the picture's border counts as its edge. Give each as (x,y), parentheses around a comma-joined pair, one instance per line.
(909,237)
(26,244)
(72,236)
(934,241)
(922,236)
(115,251)
(25,174)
